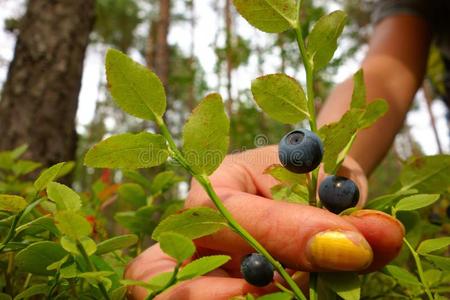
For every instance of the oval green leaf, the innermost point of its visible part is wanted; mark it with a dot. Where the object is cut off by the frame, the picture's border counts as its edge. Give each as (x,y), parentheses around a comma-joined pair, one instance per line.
(270,16)
(176,245)
(135,89)
(36,257)
(202,266)
(416,201)
(72,224)
(12,203)
(64,197)
(116,243)
(432,245)
(205,135)
(128,151)
(346,284)
(322,41)
(192,223)
(52,173)
(402,275)
(281,97)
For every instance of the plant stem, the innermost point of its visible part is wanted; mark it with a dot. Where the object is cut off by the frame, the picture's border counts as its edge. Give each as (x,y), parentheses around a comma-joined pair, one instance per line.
(309,69)
(206,184)
(312,186)
(11,231)
(419,269)
(313,285)
(92,268)
(172,281)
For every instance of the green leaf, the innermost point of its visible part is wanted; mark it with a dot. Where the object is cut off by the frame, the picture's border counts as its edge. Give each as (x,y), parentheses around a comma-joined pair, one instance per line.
(4,296)
(432,277)
(374,111)
(176,245)
(385,201)
(283,175)
(205,135)
(402,275)
(70,245)
(132,193)
(281,97)
(427,174)
(93,278)
(276,296)
(432,245)
(128,151)
(202,266)
(52,173)
(416,201)
(137,178)
(64,197)
(116,243)
(69,271)
(163,181)
(346,284)
(295,193)
(159,281)
(359,90)
(36,257)
(135,89)
(72,224)
(44,222)
(336,136)
(119,293)
(439,262)
(322,41)
(192,223)
(22,167)
(12,203)
(270,16)
(35,289)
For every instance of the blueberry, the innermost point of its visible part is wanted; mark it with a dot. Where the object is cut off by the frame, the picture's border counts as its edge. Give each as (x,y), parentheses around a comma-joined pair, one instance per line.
(338,193)
(257,270)
(300,151)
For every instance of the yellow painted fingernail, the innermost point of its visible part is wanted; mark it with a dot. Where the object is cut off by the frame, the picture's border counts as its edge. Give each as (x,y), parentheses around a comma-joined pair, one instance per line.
(340,250)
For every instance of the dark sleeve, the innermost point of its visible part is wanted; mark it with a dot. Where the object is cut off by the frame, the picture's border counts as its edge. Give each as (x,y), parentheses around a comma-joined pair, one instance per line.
(386,8)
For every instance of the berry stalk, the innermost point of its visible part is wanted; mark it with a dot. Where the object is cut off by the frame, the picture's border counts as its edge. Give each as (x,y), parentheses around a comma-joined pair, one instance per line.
(204,181)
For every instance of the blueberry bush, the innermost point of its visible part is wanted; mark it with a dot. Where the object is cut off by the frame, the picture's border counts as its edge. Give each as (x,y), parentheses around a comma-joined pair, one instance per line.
(54,242)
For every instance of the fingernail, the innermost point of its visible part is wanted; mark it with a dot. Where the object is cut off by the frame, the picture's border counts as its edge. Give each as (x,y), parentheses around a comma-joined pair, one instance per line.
(339,250)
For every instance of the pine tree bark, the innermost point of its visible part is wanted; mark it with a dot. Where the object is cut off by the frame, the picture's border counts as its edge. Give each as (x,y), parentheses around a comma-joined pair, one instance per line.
(40,96)
(228,50)
(162,46)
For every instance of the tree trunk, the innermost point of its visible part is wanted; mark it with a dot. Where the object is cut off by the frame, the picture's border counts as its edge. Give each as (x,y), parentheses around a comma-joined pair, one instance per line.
(228,50)
(162,46)
(40,96)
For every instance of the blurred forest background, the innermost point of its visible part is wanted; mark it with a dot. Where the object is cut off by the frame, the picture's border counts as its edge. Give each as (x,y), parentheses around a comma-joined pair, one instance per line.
(54,96)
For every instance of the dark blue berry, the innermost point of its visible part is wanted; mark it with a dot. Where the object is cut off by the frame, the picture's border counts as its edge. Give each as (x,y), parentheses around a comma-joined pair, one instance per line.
(257,270)
(338,193)
(300,151)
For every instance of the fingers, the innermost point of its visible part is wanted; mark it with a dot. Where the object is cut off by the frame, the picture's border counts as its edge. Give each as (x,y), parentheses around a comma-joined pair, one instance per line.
(217,288)
(383,233)
(302,237)
(216,285)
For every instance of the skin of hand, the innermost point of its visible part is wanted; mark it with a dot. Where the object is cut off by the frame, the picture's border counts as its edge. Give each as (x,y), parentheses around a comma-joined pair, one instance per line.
(300,237)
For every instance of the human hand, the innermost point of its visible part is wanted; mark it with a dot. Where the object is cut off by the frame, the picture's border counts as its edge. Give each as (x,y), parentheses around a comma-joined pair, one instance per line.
(300,237)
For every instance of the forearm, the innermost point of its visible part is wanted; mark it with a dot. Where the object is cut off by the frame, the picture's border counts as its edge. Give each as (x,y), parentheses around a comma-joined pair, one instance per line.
(393,70)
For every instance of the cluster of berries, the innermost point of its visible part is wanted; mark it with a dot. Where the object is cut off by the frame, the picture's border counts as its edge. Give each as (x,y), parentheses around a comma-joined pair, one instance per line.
(301,151)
